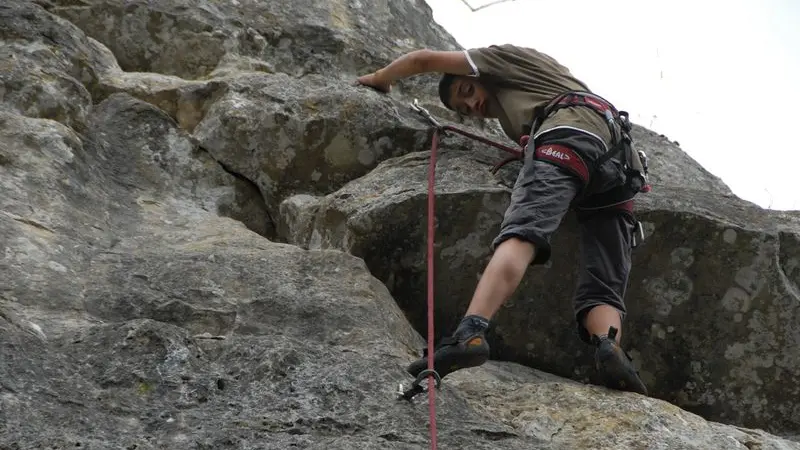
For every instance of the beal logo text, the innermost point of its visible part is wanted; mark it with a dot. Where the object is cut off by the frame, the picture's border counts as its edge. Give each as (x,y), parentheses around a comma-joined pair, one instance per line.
(553,153)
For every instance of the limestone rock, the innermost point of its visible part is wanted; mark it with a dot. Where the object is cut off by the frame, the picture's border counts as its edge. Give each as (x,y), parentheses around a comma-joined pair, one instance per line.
(713,298)
(191,39)
(112,250)
(570,415)
(147,170)
(306,136)
(297,216)
(46,64)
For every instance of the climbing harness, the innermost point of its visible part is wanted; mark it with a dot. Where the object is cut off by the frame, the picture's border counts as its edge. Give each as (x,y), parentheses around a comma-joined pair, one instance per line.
(634,161)
(619,125)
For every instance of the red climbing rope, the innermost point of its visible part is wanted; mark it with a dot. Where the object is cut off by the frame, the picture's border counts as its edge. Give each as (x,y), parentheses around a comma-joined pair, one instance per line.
(479,138)
(431,234)
(431,228)
(515,154)
(433,376)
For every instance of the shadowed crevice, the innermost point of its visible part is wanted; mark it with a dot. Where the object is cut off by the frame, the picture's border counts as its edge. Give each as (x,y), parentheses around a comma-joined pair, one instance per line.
(248,205)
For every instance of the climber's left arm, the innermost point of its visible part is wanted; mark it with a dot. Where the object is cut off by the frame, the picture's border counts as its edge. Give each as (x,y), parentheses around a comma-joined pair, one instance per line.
(418,62)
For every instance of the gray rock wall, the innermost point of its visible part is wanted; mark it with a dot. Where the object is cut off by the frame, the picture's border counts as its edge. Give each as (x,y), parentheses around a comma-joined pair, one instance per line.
(210,239)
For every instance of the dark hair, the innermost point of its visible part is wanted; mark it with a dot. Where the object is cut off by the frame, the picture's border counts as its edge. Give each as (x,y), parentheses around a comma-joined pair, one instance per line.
(444,89)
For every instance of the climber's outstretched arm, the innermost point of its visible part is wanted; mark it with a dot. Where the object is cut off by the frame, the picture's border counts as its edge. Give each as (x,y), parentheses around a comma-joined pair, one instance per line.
(418,62)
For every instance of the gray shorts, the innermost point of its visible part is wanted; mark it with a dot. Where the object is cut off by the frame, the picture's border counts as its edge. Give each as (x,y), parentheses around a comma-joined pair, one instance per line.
(554,179)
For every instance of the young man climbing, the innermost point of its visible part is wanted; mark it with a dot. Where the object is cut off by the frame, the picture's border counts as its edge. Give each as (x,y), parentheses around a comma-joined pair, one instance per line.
(568,164)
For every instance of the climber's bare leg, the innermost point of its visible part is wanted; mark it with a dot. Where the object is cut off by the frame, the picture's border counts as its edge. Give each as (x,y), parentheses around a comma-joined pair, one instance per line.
(501,277)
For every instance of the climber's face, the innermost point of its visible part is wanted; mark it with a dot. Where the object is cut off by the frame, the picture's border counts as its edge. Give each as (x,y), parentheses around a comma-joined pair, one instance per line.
(470,98)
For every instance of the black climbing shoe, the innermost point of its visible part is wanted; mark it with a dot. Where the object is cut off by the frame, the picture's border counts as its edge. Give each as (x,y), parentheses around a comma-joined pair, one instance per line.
(614,365)
(454,353)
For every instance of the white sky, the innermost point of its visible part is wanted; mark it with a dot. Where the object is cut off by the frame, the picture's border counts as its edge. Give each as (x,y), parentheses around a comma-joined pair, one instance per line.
(718,76)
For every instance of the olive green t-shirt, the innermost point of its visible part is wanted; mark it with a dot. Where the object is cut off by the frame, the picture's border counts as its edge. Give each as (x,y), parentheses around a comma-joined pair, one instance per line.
(522,79)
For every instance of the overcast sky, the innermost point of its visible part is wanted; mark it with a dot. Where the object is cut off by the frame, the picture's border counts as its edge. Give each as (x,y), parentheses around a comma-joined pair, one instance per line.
(721,77)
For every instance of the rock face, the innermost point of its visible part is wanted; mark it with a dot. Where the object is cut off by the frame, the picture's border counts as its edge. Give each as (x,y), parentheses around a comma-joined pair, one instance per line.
(206,38)
(210,239)
(572,416)
(306,135)
(713,300)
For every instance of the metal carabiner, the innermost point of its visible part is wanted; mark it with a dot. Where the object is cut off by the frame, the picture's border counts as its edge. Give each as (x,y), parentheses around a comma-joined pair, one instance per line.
(416,387)
(424,113)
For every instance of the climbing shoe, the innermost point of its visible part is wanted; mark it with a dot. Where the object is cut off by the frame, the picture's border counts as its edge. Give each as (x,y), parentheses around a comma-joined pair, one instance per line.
(614,364)
(453,353)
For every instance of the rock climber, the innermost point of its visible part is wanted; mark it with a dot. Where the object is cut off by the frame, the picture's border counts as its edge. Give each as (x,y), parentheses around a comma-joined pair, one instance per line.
(563,168)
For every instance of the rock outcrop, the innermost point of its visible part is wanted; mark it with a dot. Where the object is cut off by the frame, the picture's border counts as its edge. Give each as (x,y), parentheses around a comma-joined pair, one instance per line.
(713,300)
(209,238)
